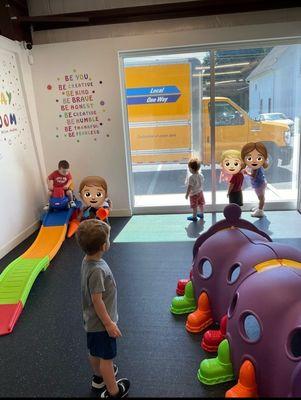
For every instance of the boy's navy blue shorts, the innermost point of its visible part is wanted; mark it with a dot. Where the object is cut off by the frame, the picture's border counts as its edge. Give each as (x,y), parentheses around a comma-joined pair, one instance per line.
(101,345)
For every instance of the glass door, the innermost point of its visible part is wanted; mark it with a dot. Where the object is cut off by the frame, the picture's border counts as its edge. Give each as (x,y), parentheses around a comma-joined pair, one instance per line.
(299,185)
(258,100)
(180,105)
(165,95)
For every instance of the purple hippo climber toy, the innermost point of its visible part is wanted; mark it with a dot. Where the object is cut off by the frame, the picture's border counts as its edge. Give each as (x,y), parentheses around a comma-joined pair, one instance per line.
(263,340)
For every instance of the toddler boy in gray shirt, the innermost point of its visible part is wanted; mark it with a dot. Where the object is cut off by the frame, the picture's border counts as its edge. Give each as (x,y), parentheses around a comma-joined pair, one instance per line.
(99,302)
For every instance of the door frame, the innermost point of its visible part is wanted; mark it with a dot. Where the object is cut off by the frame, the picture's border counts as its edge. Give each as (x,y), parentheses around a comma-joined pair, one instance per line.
(299,169)
(212,48)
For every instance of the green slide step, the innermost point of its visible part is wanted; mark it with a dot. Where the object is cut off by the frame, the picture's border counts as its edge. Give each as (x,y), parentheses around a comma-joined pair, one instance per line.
(17,279)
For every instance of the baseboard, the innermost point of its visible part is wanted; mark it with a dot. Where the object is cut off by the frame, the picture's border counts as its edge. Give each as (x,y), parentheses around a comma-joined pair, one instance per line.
(123,212)
(19,238)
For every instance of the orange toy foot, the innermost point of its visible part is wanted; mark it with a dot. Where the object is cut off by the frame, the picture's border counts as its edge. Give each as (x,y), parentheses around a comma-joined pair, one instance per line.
(73,225)
(246,386)
(201,317)
(102,213)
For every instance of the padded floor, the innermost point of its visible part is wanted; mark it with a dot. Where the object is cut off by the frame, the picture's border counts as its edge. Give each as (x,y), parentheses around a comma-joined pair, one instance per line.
(46,356)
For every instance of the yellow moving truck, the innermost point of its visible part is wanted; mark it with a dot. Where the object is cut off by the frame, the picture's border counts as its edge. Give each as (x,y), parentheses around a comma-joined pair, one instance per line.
(169,120)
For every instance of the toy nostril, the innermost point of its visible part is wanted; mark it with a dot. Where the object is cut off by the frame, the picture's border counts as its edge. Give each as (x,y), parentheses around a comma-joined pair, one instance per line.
(295,343)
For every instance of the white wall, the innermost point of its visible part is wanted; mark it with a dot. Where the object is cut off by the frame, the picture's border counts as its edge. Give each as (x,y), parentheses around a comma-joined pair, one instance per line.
(98,154)
(298,92)
(285,82)
(99,58)
(21,159)
(280,80)
(262,88)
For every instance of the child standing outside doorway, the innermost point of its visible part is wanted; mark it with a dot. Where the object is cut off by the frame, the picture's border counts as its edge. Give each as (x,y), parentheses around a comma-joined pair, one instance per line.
(99,302)
(195,189)
(232,165)
(255,156)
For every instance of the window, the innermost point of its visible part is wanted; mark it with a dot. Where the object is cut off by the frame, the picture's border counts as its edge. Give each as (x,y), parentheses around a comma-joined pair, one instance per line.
(261,106)
(234,273)
(166,101)
(205,268)
(251,327)
(225,115)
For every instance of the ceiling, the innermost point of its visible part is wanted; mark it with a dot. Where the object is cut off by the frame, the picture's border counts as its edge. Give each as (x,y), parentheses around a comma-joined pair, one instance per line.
(19,18)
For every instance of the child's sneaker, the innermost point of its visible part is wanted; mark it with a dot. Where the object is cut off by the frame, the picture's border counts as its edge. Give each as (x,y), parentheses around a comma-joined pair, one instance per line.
(194,219)
(258,213)
(123,385)
(97,381)
(46,208)
(72,204)
(201,215)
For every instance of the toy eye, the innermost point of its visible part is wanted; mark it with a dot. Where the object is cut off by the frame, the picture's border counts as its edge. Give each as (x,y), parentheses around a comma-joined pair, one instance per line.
(87,194)
(227,164)
(249,158)
(236,164)
(99,194)
(234,273)
(251,327)
(205,268)
(259,158)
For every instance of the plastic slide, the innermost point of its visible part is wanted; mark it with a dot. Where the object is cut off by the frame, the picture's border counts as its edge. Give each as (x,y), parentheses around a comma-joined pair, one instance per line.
(18,277)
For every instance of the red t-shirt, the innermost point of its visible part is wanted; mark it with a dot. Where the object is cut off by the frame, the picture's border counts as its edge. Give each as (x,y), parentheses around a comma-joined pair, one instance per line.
(58,179)
(237,181)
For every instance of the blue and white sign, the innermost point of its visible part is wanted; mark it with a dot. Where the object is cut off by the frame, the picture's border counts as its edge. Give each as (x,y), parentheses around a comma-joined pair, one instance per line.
(152,95)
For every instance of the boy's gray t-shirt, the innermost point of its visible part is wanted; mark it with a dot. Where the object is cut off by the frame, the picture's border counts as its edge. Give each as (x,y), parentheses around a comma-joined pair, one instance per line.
(97,277)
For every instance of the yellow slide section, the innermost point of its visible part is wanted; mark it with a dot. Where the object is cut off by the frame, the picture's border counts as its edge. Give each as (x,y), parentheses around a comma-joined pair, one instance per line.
(48,242)
(18,277)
